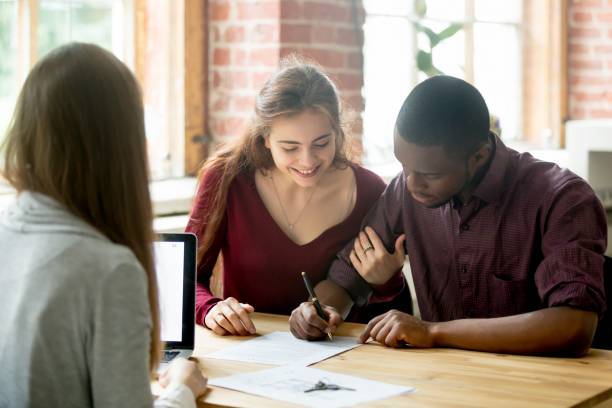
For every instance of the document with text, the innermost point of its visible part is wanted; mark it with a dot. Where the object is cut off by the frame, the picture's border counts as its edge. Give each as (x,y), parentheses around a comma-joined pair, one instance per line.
(310,387)
(281,348)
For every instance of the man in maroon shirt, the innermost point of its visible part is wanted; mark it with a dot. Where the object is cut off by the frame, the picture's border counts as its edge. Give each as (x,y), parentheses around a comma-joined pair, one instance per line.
(505,250)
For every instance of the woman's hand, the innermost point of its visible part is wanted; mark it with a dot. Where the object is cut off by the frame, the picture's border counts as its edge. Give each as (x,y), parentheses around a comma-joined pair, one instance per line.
(230,317)
(182,371)
(371,259)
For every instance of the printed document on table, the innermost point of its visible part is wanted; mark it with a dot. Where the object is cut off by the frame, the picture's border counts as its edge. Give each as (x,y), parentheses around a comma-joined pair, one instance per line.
(281,348)
(290,383)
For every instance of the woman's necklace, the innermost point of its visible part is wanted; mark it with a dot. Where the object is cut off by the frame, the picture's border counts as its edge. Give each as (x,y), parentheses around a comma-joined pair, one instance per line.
(280,203)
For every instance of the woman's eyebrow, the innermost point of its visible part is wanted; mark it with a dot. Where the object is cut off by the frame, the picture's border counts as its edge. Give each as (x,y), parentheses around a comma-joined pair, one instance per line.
(296,143)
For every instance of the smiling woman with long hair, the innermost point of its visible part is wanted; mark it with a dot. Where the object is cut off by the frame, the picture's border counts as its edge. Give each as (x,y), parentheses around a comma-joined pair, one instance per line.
(79,319)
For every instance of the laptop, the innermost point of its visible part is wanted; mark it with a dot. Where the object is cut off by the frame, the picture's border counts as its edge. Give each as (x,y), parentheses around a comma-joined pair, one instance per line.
(175,266)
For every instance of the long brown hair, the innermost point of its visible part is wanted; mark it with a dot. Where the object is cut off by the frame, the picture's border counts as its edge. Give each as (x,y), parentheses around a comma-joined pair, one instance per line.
(78,136)
(297,86)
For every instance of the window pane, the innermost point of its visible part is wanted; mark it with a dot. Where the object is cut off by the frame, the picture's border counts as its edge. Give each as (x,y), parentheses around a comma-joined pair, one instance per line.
(497,67)
(92,22)
(388,79)
(60,22)
(499,10)
(53,26)
(8,62)
(388,7)
(450,10)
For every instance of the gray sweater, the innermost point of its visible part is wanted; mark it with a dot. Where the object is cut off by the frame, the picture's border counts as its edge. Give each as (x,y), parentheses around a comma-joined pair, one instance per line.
(74,314)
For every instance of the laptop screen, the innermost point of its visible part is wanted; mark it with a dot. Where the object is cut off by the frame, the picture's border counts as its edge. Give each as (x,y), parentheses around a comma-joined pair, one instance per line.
(175,265)
(169,267)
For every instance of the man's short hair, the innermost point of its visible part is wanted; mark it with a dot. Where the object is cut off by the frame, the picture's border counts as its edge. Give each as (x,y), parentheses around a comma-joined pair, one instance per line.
(445,111)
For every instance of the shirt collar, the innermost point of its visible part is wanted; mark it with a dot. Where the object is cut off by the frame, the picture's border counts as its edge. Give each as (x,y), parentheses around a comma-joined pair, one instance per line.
(491,186)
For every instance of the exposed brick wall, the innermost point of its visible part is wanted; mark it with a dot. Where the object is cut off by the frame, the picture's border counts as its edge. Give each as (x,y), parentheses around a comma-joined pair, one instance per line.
(249,37)
(590,59)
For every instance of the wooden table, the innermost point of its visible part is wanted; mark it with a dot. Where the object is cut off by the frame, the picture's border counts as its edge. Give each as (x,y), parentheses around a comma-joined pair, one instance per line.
(442,377)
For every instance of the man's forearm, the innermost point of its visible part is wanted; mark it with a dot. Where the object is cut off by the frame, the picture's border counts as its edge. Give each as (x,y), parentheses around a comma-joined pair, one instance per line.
(334,295)
(557,330)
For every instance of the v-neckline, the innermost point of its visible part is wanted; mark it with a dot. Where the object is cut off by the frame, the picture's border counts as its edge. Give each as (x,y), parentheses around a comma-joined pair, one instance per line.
(326,231)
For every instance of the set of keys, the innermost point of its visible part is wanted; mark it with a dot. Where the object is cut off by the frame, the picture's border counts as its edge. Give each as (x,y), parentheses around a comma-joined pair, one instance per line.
(321,386)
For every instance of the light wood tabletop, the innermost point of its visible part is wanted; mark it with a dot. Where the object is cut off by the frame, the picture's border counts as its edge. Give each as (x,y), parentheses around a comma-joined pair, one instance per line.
(442,377)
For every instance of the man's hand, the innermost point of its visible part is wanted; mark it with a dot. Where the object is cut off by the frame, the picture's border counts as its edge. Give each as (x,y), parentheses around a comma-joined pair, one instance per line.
(371,259)
(230,317)
(394,329)
(304,322)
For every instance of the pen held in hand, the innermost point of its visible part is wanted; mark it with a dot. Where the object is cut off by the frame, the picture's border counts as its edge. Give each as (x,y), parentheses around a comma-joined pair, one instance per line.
(315,301)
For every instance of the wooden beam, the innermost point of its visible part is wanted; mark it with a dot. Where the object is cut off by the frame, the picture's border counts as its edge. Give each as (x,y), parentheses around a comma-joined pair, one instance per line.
(195,84)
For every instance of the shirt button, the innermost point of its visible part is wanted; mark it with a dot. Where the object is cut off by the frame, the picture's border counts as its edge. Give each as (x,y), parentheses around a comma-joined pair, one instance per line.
(465,227)
(464,269)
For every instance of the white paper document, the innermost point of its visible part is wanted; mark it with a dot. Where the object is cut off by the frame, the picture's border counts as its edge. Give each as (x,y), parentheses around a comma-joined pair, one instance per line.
(291,383)
(281,348)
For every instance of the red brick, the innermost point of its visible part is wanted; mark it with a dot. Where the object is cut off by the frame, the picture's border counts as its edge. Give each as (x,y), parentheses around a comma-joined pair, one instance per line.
(610,33)
(588,96)
(265,33)
(234,34)
(221,56)
(237,80)
(581,64)
(583,3)
(291,9)
(582,16)
(354,102)
(355,60)
(221,102)
(216,34)
(600,113)
(349,36)
(295,33)
(262,10)
(604,17)
(216,79)
(577,112)
(609,64)
(585,32)
(258,79)
(603,49)
(327,12)
(243,103)
(349,81)
(589,80)
(287,50)
(265,56)
(329,59)
(220,10)
(239,57)
(323,34)
(579,48)
(228,126)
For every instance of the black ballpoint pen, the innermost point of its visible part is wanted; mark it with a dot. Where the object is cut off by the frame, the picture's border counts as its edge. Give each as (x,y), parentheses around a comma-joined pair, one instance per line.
(315,301)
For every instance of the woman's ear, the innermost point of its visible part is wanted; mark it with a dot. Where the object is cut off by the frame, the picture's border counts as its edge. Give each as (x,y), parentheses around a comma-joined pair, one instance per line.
(266,141)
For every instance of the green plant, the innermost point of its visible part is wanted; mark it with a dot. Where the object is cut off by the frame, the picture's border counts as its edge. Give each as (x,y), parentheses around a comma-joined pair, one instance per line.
(424,58)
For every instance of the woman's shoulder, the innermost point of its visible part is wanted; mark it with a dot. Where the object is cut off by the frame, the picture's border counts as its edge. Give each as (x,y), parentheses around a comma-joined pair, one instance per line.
(368,180)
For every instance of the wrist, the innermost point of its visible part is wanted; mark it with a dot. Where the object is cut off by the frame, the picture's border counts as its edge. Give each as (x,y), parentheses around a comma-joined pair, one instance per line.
(436,334)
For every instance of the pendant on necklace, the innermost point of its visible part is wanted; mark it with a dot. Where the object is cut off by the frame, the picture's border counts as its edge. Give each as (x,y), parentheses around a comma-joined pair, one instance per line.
(291,227)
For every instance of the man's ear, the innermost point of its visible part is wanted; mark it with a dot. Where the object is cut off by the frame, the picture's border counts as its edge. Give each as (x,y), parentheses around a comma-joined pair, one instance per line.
(480,157)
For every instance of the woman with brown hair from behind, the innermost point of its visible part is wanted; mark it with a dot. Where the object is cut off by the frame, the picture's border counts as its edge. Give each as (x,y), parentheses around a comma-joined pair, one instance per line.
(79,319)
(282,199)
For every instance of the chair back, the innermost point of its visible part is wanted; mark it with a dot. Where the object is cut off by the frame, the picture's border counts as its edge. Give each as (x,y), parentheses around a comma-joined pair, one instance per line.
(603,334)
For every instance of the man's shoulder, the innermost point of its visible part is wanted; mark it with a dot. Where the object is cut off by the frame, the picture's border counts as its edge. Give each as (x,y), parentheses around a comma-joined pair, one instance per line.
(545,178)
